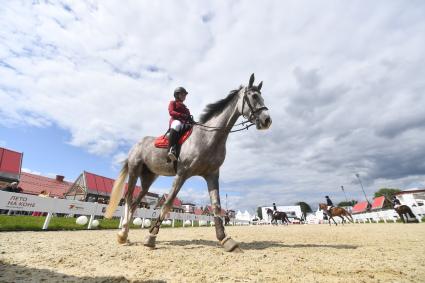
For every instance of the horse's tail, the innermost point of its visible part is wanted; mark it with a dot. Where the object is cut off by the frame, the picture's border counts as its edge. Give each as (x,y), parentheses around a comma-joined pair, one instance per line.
(409,210)
(117,191)
(347,214)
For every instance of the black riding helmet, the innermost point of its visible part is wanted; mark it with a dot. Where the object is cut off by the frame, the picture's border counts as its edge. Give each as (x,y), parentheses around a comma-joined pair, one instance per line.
(178,90)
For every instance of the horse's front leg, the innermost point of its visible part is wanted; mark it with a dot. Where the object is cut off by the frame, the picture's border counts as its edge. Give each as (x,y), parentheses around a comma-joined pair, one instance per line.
(213,189)
(336,224)
(166,207)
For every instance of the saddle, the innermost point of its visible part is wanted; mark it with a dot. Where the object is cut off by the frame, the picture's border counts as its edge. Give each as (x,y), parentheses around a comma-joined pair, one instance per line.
(162,141)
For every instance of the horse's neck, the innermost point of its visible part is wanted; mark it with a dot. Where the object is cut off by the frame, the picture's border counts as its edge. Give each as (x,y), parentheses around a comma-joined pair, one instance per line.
(225,121)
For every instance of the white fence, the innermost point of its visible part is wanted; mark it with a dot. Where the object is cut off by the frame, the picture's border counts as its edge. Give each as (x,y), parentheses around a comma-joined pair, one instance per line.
(24,202)
(387,215)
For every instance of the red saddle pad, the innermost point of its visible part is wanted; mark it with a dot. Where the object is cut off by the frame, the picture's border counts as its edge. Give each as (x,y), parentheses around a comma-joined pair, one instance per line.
(162,141)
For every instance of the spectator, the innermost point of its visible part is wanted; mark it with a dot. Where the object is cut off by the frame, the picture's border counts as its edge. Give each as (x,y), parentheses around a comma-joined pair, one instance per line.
(13,188)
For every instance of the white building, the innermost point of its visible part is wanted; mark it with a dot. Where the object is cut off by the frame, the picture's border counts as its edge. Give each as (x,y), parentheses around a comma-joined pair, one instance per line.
(414,197)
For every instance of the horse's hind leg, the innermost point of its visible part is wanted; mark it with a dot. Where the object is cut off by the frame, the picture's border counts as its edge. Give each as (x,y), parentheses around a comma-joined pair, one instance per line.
(213,189)
(166,207)
(128,212)
(147,178)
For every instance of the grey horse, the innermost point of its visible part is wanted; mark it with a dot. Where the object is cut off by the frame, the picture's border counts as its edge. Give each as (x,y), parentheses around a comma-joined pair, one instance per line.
(202,154)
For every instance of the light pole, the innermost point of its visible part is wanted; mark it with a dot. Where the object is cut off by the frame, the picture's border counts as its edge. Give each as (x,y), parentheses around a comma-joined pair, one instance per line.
(346,199)
(360,181)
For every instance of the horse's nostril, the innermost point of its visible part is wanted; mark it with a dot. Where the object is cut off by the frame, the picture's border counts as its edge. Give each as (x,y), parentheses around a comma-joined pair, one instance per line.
(268,121)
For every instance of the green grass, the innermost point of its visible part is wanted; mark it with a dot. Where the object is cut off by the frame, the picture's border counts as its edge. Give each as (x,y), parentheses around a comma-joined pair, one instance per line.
(33,223)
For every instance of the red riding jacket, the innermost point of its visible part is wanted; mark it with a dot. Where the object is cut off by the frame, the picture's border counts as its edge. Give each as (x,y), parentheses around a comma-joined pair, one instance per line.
(178,111)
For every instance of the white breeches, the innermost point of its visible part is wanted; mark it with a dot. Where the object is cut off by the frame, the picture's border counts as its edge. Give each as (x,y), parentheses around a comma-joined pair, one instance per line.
(176,125)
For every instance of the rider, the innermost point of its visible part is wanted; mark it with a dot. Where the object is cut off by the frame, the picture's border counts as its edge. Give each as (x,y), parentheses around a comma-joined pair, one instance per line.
(396,202)
(329,204)
(274,209)
(180,116)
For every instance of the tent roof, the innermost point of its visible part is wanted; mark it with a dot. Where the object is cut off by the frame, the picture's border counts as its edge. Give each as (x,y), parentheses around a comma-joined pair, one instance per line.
(378,202)
(360,207)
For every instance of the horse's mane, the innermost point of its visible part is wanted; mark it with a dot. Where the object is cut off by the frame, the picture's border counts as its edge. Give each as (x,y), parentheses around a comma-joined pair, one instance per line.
(214,108)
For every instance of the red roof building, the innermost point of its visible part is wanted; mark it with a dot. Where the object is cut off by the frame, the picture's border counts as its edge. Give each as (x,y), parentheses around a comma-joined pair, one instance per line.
(198,211)
(96,188)
(35,184)
(10,166)
(177,203)
(209,211)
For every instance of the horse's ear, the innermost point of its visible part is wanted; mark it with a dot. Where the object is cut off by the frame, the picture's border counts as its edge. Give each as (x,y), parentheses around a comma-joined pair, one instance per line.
(260,85)
(251,80)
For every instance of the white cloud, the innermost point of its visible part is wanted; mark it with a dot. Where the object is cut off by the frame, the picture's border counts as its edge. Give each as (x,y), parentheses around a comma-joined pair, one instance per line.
(344,84)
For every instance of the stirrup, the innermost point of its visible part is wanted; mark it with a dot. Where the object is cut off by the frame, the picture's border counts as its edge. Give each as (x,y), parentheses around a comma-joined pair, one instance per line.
(172,155)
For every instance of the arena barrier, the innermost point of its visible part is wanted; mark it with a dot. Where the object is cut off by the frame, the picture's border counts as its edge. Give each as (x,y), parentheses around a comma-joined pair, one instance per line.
(23,202)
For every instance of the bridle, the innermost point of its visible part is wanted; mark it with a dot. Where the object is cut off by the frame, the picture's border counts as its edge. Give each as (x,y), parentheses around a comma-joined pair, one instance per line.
(254,113)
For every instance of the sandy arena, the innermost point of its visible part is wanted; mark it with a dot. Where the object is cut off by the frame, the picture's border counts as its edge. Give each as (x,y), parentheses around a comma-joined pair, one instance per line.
(308,253)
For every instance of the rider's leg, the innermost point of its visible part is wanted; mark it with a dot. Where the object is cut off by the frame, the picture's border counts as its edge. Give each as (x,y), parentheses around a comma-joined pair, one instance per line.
(173,139)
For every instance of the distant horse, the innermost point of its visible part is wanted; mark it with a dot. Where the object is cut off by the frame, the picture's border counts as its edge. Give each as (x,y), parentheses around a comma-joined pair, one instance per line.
(403,211)
(202,154)
(279,215)
(336,211)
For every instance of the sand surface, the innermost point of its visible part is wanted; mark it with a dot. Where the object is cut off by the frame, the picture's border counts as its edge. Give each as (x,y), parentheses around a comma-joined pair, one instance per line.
(297,253)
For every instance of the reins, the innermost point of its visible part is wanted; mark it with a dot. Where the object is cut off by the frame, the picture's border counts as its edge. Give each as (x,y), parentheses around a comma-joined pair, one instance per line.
(252,115)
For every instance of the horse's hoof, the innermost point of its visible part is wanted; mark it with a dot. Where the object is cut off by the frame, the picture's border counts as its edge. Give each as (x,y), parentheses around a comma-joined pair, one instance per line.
(121,238)
(150,241)
(230,245)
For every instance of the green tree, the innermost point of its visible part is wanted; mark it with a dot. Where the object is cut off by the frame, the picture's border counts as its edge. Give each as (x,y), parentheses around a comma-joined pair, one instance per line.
(388,193)
(260,213)
(347,203)
(305,208)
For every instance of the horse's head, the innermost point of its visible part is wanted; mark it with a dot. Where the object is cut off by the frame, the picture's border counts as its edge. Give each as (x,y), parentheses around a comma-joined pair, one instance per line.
(269,211)
(251,105)
(322,206)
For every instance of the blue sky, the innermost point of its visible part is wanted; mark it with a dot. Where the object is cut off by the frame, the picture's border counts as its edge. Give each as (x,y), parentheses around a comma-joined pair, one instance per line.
(81,82)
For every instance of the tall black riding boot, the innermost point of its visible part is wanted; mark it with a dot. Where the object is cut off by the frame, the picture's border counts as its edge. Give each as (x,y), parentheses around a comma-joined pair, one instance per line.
(172,145)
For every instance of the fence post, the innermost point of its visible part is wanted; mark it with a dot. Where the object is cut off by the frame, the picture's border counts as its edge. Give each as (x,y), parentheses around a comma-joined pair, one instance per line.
(143,223)
(90,222)
(173,222)
(47,221)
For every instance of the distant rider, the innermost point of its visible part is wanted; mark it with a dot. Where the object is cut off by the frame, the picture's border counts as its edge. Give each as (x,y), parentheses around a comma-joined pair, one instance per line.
(330,204)
(396,202)
(274,209)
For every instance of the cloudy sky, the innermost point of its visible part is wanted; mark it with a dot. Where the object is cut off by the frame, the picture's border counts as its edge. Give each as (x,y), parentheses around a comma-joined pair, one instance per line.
(82,81)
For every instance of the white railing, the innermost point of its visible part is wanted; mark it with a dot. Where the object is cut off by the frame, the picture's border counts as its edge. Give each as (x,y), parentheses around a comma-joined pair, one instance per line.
(51,206)
(386,215)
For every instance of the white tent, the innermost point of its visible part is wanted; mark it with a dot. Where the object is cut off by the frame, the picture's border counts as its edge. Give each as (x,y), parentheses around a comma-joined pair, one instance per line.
(243,216)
